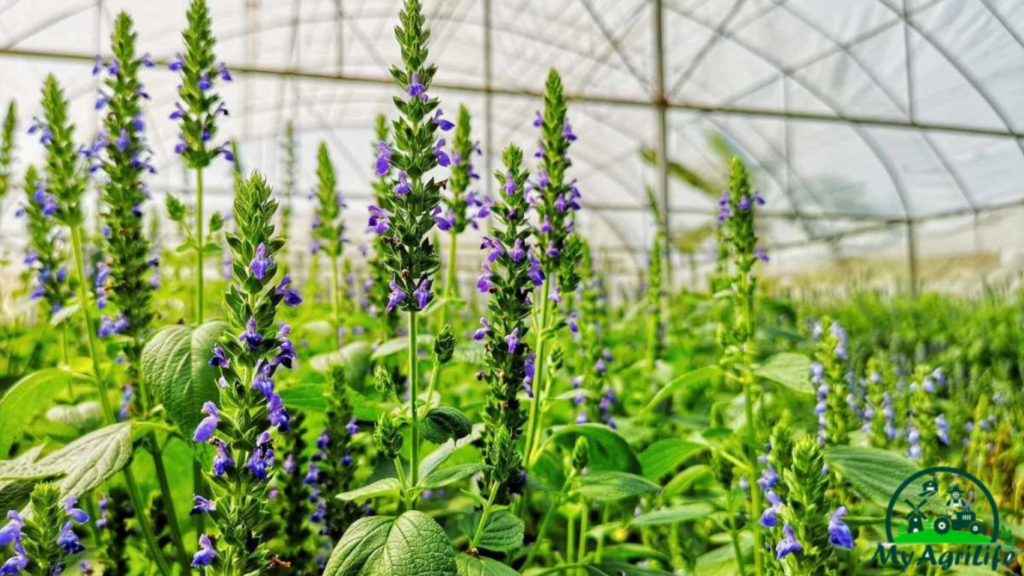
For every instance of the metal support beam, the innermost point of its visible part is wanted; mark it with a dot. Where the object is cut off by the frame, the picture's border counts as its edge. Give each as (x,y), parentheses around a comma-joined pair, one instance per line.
(661,108)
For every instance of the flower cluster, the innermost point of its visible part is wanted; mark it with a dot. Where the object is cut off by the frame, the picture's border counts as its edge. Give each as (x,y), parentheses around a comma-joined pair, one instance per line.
(835,415)
(60,193)
(378,288)
(47,250)
(44,540)
(239,425)
(509,281)
(462,207)
(7,130)
(587,326)
(336,451)
(405,248)
(924,430)
(328,226)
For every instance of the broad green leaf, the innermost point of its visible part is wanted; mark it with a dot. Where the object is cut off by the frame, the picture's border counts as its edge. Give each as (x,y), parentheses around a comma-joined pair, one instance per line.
(608,450)
(355,357)
(28,398)
(611,485)
(877,474)
(19,476)
(722,560)
(431,461)
(503,532)
(397,345)
(176,365)
(628,552)
(64,313)
(675,514)
(482,566)
(450,475)
(790,370)
(309,396)
(85,416)
(611,568)
(445,423)
(384,487)
(411,545)
(664,456)
(699,376)
(686,479)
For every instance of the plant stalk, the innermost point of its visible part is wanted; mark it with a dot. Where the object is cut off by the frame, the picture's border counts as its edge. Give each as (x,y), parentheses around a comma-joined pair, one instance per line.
(336,298)
(200,248)
(485,515)
(533,423)
(449,277)
(414,389)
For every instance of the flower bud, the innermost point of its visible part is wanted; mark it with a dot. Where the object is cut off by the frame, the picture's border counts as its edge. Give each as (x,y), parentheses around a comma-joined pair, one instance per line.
(385,383)
(388,436)
(444,345)
(580,454)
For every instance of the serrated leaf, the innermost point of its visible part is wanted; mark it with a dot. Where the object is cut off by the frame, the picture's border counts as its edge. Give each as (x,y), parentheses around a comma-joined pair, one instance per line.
(790,370)
(675,514)
(28,398)
(664,456)
(877,474)
(431,461)
(693,378)
(450,475)
(19,476)
(82,417)
(608,450)
(612,485)
(385,487)
(503,532)
(176,365)
(396,345)
(482,566)
(445,423)
(411,545)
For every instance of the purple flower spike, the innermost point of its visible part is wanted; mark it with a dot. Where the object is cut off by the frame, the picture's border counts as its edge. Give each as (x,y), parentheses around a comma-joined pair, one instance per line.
(403,187)
(207,426)
(260,262)
(838,532)
(206,554)
(202,506)
(422,293)
(383,158)
(788,544)
(251,336)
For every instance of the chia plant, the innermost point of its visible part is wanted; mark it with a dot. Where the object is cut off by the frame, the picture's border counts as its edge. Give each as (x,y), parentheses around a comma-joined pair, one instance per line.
(378,288)
(509,279)
(115,511)
(329,226)
(736,336)
(197,114)
(555,200)
(47,250)
(587,327)
(44,541)
(337,455)
(925,431)
(294,502)
(835,417)
(7,131)
(290,168)
(239,427)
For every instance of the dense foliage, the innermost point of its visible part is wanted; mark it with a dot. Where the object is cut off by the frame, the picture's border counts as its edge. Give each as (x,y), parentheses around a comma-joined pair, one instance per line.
(340,415)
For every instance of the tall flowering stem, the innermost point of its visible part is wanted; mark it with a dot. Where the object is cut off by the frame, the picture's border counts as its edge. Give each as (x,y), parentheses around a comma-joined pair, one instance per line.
(239,427)
(197,116)
(407,253)
(337,457)
(43,541)
(806,546)
(653,294)
(587,327)
(835,417)
(507,279)
(123,155)
(47,249)
(555,201)
(291,162)
(461,206)
(329,227)
(736,336)
(7,130)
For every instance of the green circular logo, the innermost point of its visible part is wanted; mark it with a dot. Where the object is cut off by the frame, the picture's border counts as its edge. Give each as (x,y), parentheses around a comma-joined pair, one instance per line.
(929,524)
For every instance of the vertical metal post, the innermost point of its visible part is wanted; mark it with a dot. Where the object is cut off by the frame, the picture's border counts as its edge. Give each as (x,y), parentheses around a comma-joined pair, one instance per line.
(661,107)
(488,104)
(912,257)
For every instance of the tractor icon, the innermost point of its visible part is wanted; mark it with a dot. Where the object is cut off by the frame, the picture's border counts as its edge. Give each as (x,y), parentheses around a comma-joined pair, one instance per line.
(958,521)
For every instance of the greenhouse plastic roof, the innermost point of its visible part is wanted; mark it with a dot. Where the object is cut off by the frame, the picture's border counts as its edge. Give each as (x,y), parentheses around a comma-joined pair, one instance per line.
(856,117)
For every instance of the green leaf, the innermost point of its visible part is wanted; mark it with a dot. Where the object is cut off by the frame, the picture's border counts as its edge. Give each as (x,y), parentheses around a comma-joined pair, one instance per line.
(699,376)
(355,357)
(722,560)
(28,398)
(385,487)
(675,514)
(431,461)
(64,313)
(411,545)
(790,370)
(445,423)
(471,566)
(628,552)
(622,569)
(19,476)
(83,417)
(877,474)
(503,532)
(611,485)
(608,450)
(309,396)
(686,479)
(176,365)
(664,456)
(450,475)
(396,345)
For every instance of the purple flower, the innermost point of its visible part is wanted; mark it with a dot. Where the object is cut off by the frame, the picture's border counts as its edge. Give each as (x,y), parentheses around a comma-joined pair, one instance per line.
(291,297)
(11,532)
(109,327)
(788,544)
(206,554)
(757,198)
(207,426)
(16,563)
(251,336)
(510,185)
(383,158)
(204,82)
(441,123)
(262,457)
(222,461)
(573,325)
(535,273)
(443,223)
(538,120)
(403,187)
(440,154)
(123,141)
(422,293)
(513,340)
(567,131)
(277,414)
(943,428)
(202,505)
(723,207)
(495,247)
(352,427)
(260,262)
(177,64)
(76,514)
(46,201)
(68,540)
(312,476)
(395,296)
(147,60)
(222,68)
(414,88)
(769,478)
(219,359)
(517,252)
(483,282)
(378,219)
(543,181)
(481,332)
(769,518)
(127,393)
(529,367)
(838,532)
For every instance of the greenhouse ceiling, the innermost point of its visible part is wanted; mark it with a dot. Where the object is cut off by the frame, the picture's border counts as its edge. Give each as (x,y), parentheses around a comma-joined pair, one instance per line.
(869,125)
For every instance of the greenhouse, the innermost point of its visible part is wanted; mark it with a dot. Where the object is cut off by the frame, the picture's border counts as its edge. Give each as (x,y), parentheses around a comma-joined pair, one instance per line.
(537,287)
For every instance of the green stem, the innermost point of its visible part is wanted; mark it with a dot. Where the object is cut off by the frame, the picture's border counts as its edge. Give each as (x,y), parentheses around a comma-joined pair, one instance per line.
(147,531)
(570,540)
(200,249)
(336,298)
(605,516)
(449,277)
(538,374)
(414,389)
(405,488)
(90,329)
(755,495)
(733,534)
(584,521)
(434,376)
(546,521)
(485,515)
(165,489)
